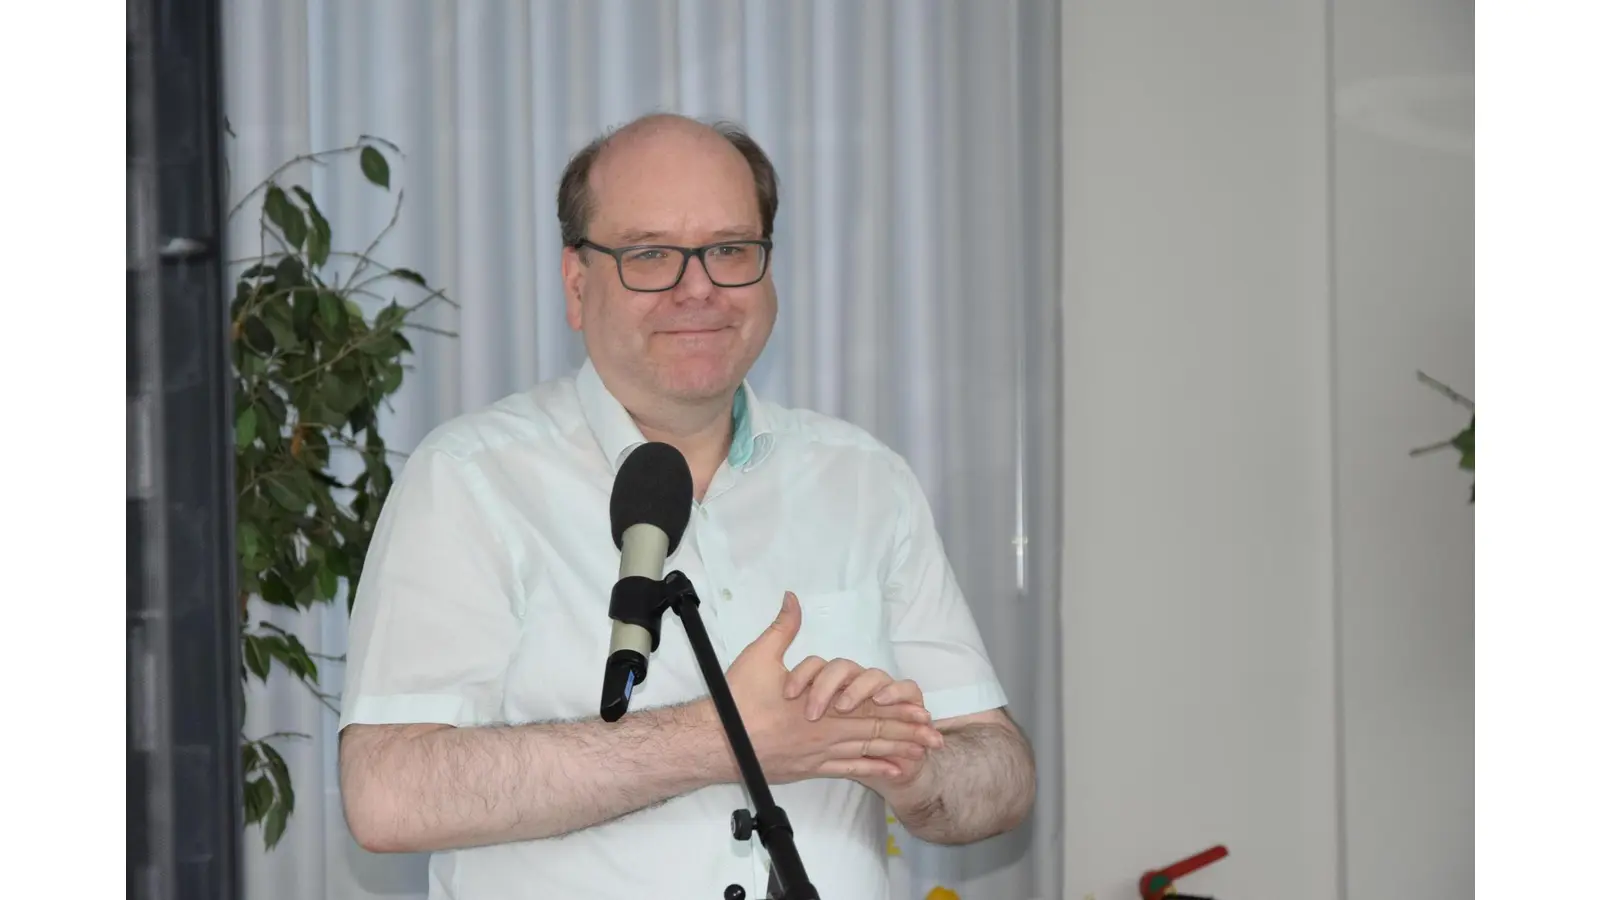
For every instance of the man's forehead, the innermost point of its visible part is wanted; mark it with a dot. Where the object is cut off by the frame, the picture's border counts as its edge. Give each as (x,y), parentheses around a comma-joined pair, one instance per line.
(644,164)
(659,200)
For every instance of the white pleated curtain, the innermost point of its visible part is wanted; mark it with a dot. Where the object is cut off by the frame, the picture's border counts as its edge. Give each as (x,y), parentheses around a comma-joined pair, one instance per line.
(916,240)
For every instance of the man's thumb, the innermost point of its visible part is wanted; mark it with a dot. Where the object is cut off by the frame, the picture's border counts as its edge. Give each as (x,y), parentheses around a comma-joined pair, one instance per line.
(780,634)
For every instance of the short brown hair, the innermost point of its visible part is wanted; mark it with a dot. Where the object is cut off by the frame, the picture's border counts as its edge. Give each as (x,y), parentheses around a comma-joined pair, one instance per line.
(575,200)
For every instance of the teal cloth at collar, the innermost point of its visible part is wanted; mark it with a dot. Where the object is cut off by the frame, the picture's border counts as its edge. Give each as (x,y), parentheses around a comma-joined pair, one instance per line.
(744,439)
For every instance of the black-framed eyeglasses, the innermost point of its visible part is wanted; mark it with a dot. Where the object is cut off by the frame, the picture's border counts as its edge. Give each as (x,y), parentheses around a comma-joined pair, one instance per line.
(650,268)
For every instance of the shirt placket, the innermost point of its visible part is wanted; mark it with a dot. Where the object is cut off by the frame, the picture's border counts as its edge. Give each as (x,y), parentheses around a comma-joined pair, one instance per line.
(713,586)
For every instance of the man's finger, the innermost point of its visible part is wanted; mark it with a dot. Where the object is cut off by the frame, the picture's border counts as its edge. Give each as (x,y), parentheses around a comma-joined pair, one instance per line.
(864,685)
(833,676)
(775,640)
(915,713)
(878,748)
(905,691)
(860,767)
(801,676)
(857,730)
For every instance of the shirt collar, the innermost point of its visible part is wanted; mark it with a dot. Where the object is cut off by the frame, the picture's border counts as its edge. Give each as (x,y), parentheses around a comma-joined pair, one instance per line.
(619,435)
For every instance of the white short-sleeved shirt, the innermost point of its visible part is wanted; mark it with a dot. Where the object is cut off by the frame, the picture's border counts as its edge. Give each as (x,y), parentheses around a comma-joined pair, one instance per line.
(484,599)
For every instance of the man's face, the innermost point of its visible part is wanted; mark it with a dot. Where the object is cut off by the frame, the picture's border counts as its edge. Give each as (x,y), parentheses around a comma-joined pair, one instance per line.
(697,341)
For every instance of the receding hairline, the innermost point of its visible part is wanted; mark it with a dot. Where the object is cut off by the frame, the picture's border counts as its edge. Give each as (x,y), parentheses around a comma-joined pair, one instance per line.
(575,200)
(661,123)
(640,133)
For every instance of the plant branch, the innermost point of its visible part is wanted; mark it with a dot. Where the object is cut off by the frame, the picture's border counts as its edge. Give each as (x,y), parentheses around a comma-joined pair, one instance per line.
(1444,389)
(431,330)
(361,289)
(318,158)
(366,255)
(1432,448)
(350,444)
(324,698)
(262,477)
(364,340)
(278,734)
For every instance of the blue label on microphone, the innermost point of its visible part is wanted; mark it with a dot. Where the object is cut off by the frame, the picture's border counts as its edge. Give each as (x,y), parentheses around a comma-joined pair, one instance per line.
(627,687)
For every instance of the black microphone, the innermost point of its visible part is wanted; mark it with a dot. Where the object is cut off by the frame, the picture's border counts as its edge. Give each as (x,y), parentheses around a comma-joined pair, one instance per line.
(650,503)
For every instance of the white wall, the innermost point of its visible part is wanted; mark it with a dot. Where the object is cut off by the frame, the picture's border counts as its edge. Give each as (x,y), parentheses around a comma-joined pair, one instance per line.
(1268,604)
(1403,276)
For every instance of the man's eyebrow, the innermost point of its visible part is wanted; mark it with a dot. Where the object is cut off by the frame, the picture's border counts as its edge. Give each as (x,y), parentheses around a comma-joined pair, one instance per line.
(740,233)
(654,237)
(638,237)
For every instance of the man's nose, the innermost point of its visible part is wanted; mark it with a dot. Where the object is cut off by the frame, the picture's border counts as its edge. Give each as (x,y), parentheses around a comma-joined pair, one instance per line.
(696,282)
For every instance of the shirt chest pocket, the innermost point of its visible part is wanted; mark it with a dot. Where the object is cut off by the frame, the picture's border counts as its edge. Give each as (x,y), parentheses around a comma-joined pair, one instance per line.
(851,624)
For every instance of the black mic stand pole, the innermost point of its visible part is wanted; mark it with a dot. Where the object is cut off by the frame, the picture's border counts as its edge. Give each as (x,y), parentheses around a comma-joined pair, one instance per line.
(787,880)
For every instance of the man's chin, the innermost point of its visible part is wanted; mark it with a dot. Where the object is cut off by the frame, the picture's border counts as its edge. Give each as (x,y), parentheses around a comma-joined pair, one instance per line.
(695,381)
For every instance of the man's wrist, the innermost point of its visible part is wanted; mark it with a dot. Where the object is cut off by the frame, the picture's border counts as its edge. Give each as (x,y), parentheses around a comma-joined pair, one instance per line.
(911,799)
(713,756)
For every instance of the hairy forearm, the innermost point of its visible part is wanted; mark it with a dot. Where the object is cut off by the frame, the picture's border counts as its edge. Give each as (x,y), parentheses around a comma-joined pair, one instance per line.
(980,784)
(411,788)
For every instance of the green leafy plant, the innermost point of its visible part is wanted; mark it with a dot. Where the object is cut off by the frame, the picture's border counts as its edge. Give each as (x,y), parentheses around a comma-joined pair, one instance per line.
(318,348)
(1462,441)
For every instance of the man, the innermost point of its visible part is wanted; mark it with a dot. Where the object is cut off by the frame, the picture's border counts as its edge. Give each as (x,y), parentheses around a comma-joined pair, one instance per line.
(480,630)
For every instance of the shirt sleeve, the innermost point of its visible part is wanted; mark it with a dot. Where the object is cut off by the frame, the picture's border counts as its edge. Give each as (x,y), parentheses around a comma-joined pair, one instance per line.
(435,620)
(936,642)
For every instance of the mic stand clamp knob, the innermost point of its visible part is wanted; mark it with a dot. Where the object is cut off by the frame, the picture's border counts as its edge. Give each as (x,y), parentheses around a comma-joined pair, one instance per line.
(744,824)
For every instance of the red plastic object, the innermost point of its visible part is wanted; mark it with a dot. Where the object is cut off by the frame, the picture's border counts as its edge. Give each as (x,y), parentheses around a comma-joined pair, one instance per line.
(1153,885)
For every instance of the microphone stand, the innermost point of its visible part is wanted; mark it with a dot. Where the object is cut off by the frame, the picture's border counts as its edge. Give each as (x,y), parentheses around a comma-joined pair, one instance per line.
(787,878)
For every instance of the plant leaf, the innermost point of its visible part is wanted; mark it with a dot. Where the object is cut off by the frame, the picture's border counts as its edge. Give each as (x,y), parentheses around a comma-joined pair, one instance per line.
(338,562)
(258,799)
(280,775)
(330,310)
(320,240)
(1464,442)
(257,337)
(286,496)
(375,167)
(287,649)
(327,583)
(251,757)
(318,246)
(282,212)
(290,273)
(249,539)
(273,413)
(255,657)
(389,379)
(282,328)
(274,591)
(390,316)
(244,427)
(272,828)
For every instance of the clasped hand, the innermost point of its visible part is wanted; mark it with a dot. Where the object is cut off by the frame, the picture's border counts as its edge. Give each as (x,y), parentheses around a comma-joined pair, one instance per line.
(831,719)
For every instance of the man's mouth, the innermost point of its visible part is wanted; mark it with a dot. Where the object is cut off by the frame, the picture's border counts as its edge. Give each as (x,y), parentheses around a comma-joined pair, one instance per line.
(704,330)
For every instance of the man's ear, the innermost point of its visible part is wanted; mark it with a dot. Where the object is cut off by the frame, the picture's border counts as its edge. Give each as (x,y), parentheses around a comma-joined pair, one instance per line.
(572,283)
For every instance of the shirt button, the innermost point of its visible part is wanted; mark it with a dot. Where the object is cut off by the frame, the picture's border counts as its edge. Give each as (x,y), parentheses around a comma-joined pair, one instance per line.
(727,594)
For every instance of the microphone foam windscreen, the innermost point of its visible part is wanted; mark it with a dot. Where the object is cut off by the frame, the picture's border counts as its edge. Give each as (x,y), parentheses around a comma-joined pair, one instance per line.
(653,487)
